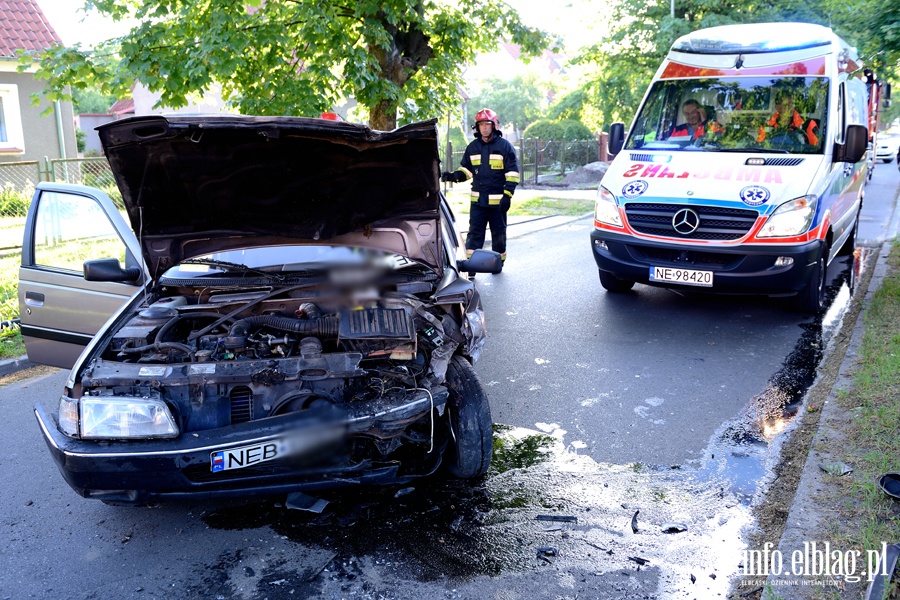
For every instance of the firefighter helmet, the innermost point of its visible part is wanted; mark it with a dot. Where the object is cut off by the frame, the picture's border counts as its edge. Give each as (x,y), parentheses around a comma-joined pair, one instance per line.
(486,114)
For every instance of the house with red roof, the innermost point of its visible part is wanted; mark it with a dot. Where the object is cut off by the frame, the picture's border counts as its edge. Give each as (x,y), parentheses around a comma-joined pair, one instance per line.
(26,134)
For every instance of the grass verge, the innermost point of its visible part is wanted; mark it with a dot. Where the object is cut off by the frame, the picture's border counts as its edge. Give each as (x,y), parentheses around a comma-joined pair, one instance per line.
(868,516)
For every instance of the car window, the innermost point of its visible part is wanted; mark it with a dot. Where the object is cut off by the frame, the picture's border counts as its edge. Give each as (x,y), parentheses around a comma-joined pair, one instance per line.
(70,229)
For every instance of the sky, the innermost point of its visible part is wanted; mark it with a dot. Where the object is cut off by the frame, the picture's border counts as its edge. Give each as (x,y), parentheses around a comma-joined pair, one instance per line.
(74,26)
(572,19)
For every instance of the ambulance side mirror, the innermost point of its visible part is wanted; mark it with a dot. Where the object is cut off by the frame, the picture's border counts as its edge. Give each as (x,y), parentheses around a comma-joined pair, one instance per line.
(854,147)
(616,137)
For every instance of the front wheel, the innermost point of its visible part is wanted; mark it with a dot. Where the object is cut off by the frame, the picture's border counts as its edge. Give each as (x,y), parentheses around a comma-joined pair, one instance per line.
(469,452)
(611,283)
(811,298)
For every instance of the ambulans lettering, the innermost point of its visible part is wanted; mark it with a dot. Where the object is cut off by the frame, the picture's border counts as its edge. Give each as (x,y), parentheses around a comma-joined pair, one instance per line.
(737,174)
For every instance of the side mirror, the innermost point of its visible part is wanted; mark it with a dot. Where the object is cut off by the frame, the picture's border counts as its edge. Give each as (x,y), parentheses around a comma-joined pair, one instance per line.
(108,269)
(856,138)
(616,137)
(481,261)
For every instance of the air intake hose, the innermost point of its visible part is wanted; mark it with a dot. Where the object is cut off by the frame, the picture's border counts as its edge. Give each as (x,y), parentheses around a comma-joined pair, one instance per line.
(325,327)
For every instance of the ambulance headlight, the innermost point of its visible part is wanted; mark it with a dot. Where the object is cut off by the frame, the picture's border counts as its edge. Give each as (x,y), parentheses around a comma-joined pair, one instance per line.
(791,218)
(605,208)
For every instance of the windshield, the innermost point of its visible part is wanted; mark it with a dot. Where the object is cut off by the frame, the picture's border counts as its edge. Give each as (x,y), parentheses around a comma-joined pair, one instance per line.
(752,114)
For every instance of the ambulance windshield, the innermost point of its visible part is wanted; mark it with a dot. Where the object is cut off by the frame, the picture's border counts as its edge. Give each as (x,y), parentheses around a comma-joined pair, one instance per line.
(735,114)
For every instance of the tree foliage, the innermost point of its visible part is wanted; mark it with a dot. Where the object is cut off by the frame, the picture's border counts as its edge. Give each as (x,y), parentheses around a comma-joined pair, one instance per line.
(518,101)
(91,101)
(288,57)
(567,129)
(642,31)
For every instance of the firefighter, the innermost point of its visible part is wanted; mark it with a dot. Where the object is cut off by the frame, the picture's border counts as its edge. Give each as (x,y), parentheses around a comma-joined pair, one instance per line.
(490,161)
(786,126)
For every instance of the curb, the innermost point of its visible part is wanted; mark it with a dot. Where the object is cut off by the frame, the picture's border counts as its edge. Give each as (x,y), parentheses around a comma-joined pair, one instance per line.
(11,365)
(805,516)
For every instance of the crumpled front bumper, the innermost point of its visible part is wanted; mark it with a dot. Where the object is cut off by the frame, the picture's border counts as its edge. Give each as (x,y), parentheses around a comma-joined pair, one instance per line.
(139,471)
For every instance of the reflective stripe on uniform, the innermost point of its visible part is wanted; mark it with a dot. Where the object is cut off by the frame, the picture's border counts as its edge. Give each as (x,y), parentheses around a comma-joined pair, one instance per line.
(475,159)
(466,172)
(496,161)
(474,196)
(512,176)
(508,193)
(494,199)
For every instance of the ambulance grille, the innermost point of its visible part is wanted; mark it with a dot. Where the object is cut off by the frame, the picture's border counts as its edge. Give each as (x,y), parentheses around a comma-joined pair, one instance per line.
(716,223)
(241,404)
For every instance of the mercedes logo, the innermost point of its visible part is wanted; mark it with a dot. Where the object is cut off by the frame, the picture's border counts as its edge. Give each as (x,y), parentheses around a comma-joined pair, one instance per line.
(685,221)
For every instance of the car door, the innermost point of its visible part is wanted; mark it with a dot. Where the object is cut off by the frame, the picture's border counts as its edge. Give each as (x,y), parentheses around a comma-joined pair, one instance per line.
(60,311)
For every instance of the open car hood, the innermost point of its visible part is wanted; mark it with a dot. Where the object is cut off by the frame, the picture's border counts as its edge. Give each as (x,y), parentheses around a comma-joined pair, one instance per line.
(199,184)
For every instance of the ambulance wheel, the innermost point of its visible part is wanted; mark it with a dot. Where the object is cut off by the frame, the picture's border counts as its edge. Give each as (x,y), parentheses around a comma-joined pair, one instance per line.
(613,284)
(811,298)
(468,454)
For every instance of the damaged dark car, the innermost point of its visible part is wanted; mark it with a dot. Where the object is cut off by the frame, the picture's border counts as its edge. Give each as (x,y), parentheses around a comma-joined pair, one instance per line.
(287,312)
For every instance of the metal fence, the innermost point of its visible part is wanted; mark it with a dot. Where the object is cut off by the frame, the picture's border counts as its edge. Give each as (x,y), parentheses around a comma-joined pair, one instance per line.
(18,180)
(542,160)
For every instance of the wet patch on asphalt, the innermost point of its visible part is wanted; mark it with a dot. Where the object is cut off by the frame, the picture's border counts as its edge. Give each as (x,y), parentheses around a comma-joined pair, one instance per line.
(561,511)
(545,507)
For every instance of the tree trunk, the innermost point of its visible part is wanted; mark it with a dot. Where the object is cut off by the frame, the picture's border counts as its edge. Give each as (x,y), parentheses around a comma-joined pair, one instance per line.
(408,52)
(383,116)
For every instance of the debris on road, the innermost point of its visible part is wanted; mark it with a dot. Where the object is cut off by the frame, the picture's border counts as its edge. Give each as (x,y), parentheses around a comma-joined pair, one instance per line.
(639,560)
(561,518)
(673,527)
(634,523)
(836,468)
(301,501)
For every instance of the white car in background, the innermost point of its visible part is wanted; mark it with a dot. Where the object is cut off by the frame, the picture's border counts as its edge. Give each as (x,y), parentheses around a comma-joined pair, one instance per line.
(886,149)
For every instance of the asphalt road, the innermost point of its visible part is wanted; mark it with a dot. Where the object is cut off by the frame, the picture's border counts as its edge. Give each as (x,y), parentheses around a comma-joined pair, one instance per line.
(648,377)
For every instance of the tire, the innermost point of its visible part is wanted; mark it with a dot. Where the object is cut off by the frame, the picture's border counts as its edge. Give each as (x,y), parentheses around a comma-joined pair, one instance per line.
(811,298)
(613,284)
(468,453)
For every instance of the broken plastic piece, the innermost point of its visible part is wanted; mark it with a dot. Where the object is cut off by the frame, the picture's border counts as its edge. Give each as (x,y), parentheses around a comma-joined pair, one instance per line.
(890,484)
(634,525)
(547,551)
(673,527)
(887,564)
(404,491)
(639,560)
(836,468)
(562,518)
(301,501)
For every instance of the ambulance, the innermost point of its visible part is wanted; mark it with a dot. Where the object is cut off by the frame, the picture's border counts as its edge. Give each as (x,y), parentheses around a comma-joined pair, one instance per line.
(744,168)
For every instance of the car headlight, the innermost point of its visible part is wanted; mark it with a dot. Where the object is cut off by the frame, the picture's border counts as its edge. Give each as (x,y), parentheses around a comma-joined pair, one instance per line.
(605,208)
(791,218)
(118,417)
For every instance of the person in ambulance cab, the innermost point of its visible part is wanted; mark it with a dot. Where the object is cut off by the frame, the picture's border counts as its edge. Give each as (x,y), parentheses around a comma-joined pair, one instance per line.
(696,123)
(786,127)
(490,162)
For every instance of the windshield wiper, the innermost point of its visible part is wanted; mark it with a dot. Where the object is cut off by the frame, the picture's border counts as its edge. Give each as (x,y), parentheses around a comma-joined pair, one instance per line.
(230,267)
(755,149)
